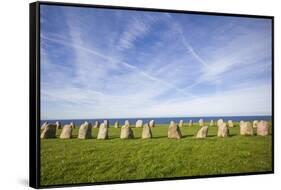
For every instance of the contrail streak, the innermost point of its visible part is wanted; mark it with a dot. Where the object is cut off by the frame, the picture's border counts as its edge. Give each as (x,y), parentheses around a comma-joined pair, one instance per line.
(134,68)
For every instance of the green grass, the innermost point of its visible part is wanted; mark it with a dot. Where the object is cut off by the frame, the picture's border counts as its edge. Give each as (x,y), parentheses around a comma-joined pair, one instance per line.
(83,161)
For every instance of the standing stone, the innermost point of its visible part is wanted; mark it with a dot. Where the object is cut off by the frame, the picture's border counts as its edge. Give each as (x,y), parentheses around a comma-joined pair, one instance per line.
(223,130)
(241,122)
(66,132)
(126,132)
(49,131)
(72,125)
(151,123)
(230,123)
(174,131)
(127,122)
(106,123)
(203,132)
(58,125)
(181,123)
(255,123)
(85,131)
(146,132)
(246,128)
(190,123)
(97,124)
(139,123)
(103,131)
(201,122)
(263,128)
(212,123)
(116,124)
(44,125)
(219,122)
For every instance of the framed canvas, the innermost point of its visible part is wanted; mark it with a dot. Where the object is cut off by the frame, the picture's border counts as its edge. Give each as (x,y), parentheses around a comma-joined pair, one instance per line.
(122,94)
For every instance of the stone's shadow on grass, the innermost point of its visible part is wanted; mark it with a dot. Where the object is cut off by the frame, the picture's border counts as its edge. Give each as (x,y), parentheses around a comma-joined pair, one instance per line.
(186,136)
(111,138)
(134,139)
(159,137)
(211,135)
(87,139)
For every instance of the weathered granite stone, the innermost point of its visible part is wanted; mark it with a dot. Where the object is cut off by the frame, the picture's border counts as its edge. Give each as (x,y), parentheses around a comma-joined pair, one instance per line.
(241,122)
(44,125)
(263,128)
(49,131)
(85,131)
(127,122)
(116,124)
(146,132)
(139,123)
(190,123)
(174,131)
(181,123)
(66,132)
(203,132)
(72,125)
(97,124)
(212,123)
(58,125)
(106,123)
(230,123)
(219,122)
(103,131)
(151,123)
(223,130)
(246,128)
(255,123)
(201,122)
(126,132)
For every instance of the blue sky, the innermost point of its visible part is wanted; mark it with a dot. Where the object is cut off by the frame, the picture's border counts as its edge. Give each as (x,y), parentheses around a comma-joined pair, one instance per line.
(102,63)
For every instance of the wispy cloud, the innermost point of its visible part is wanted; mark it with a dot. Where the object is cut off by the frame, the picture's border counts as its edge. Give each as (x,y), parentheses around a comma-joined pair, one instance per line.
(135,29)
(110,60)
(133,64)
(246,101)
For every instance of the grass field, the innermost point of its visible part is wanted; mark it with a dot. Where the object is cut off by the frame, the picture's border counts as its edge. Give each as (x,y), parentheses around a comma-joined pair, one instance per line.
(83,161)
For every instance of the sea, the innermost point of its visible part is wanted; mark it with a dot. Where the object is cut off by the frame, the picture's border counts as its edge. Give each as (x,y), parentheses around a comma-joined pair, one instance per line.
(162,120)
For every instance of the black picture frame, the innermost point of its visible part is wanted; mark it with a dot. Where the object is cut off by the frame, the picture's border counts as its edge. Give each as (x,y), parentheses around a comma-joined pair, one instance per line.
(34,90)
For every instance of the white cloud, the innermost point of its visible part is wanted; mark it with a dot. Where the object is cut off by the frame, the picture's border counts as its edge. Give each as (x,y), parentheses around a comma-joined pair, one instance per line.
(247,101)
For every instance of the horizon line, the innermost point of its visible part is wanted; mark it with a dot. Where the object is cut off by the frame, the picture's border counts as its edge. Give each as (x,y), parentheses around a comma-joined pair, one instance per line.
(254,115)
